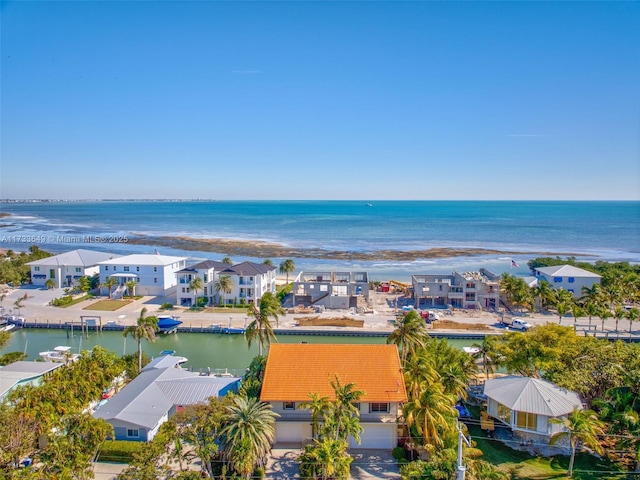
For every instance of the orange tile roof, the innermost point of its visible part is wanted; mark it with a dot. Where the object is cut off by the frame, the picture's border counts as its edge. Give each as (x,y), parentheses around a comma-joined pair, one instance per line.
(295,370)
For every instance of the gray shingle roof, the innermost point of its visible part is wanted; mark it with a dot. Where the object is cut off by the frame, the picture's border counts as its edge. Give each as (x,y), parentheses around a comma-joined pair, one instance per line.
(249,268)
(532,395)
(205,265)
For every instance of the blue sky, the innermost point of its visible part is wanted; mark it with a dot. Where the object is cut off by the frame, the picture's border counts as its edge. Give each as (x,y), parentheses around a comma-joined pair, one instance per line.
(320,100)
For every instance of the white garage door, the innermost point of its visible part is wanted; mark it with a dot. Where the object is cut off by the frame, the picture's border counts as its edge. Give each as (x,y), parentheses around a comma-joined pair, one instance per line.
(375,435)
(292,432)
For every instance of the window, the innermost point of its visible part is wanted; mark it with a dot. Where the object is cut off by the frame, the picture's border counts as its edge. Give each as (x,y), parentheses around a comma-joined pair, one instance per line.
(137,269)
(133,433)
(37,269)
(78,269)
(52,273)
(106,267)
(155,280)
(155,269)
(126,269)
(572,279)
(527,421)
(288,405)
(378,407)
(557,279)
(183,290)
(205,290)
(504,413)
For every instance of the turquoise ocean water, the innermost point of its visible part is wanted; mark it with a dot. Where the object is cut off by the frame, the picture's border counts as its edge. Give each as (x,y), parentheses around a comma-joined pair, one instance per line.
(598,230)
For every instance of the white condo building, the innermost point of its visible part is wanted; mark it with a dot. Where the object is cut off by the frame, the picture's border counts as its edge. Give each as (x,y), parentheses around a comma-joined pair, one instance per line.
(153,274)
(571,278)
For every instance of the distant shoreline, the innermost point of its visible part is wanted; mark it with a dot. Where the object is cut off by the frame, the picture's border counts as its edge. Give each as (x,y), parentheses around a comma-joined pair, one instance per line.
(262,249)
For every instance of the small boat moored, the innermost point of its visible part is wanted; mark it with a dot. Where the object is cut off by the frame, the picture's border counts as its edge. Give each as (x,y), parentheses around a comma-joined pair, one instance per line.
(60,354)
(168,324)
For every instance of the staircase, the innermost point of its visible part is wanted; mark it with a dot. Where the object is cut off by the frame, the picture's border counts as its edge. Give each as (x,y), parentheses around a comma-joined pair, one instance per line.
(119,292)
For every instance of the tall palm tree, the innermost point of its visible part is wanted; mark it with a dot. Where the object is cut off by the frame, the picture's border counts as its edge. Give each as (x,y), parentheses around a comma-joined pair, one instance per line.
(488,353)
(318,406)
(268,262)
(418,370)
(432,413)
(250,429)
(604,313)
(227,260)
(633,315)
(144,329)
(544,292)
(287,266)
(344,409)
(195,285)
(409,335)
(224,284)
(18,303)
(109,283)
(131,286)
(577,311)
(580,427)
(260,328)
(562,302)
(619,313)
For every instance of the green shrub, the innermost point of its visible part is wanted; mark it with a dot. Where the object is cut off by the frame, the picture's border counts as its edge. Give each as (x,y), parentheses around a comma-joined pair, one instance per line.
(398,453)
(62,301)
(166,306)
(121,451)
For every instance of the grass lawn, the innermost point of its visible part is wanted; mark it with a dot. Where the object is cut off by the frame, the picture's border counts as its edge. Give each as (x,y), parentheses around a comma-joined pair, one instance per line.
(521,465)
(75,301)
(224,310)
(108,305)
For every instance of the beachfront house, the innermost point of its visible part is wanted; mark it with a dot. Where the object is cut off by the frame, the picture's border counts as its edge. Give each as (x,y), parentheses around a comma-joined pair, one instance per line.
(526,405)
(293,371)
(66,268)
(568,277)
(22,373)
(480,290)
(157,393)
(153,274)
(207,271)
(331,290)
(250,282)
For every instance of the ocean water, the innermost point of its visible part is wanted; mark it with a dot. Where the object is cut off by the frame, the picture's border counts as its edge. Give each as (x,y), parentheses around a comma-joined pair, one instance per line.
(596,230)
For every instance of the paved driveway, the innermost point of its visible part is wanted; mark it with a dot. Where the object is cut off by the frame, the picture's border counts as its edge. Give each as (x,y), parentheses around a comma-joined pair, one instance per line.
(367,464)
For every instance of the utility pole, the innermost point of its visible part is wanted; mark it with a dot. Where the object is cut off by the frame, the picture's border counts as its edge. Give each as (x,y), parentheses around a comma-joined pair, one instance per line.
(461,468)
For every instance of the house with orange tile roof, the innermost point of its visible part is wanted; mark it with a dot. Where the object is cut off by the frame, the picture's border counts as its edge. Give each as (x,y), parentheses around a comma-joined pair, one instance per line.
(294,371)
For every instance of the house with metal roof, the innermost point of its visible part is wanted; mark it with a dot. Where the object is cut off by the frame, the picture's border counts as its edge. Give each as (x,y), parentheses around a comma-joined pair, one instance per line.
(527,404)
(294,371)
(571,278)
(22,373)
(66,268)
(153,274)
(158,392)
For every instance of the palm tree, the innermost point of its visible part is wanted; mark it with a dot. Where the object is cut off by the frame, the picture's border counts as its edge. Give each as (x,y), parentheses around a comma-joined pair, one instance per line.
(562,302)
(619,313)
(544,292)
(144,329)
(131,286)
(432,413)
(224,284)
(418,370)
(267,262)
(109,283)
(580,427)
(260,328)
(409,335)
(227,260)
(326,459)
(344,410)
(18,303)
(287,266)
(318,406)
(488,353)
(195,285)
(604,313)
(250,429)
(577,311)
(633,315)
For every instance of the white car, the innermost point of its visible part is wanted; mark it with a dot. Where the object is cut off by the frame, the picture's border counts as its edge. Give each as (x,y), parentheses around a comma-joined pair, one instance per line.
(520,324)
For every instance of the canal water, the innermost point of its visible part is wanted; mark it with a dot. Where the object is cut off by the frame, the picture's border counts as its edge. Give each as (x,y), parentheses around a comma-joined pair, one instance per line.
(203,350)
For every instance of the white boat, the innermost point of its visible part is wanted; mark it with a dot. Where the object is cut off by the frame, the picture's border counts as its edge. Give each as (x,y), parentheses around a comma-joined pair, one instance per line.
(8,328)
(60,354)
(180,360)
(471,350)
